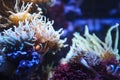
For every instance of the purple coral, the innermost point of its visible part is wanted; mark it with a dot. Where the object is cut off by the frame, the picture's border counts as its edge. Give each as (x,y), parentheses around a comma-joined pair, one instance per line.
(76,71)
(72,71)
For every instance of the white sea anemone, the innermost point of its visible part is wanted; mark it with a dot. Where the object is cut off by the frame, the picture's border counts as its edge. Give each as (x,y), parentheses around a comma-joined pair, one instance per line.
(45,33)
(32,26)
(38,32)
(17,38)
(93,45)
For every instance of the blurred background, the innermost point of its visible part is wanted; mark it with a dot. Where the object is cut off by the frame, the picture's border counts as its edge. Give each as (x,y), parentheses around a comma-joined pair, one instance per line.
(73,15)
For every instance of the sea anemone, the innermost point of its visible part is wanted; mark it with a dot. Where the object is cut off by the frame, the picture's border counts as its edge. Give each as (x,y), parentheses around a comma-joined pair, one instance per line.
(93,45)
(90,59)
(20,12)
(38,33)
(45,33)
(17,39)
(25,44)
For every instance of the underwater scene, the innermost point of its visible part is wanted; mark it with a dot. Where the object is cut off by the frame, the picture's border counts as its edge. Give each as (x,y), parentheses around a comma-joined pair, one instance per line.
(59,39)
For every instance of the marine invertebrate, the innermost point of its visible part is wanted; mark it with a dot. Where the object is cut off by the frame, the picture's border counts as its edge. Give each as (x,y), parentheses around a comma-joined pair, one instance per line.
(51,38)
(21,14)
(76,71)
(92,44)
(31,33)
(18,39)
(26,62)
(96,57)
(72,72)
(25,66)
(25,44)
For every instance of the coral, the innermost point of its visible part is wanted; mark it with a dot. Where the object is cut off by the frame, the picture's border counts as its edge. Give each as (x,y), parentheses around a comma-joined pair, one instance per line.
(92,44)
(18,11)
(76,71)
(26,62)
(27,37)
(90,59)
(38,25)
(50,36)
(21,14)
(25,66)
(24,45)
(72,71)
(17,39)
(30,34)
